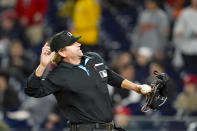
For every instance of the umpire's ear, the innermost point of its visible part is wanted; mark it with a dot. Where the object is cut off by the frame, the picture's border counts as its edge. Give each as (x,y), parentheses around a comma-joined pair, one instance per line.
(62,53)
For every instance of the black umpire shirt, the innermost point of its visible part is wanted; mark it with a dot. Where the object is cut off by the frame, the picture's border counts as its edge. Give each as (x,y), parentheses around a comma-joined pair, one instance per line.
(81,90)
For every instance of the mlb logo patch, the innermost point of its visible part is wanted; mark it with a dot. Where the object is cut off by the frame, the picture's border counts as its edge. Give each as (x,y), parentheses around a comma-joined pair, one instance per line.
(103,73)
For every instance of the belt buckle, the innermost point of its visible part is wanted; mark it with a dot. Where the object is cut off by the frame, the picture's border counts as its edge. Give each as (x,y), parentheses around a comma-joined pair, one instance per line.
(110,126)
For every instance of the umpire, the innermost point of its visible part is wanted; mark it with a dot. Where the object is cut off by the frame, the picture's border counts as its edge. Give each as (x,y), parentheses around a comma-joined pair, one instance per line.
(79,83)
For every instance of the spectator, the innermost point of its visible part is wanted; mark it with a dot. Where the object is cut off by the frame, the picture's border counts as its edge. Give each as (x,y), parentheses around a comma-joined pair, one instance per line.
(143,58)
(4,47)
(152,29)
(35,108)
(122,64)
(185,35)
(8,19)
(9,99)
(31,16)
(52,121)
(7,4)
(120,60)
(3,126)
(55,122)
(9,28)
(123,116)
(186,103)
(175,7)
(87,10)
(66,10)
(21,62)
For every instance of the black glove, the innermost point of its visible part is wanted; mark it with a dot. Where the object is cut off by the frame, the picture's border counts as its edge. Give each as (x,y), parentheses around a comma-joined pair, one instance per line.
(158,96)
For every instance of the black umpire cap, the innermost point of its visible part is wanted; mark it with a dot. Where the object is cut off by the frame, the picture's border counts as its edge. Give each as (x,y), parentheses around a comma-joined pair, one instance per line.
(62,39)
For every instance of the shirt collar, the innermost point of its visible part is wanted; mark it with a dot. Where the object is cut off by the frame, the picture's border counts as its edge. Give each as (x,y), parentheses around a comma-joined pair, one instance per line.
(85,56)
(83,59)
(69,65)
(66,64)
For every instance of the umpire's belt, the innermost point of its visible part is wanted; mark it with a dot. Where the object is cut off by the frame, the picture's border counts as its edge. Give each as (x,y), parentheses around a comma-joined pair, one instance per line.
(101,126)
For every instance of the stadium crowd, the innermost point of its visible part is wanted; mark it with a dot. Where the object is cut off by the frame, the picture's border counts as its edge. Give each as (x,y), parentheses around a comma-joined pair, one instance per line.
(135,37)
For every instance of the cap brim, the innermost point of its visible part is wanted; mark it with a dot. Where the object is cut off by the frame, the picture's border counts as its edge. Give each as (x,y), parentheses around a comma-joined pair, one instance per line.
(75,39)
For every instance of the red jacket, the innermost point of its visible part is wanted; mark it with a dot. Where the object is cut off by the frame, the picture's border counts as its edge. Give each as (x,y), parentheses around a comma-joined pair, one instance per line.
(28,9)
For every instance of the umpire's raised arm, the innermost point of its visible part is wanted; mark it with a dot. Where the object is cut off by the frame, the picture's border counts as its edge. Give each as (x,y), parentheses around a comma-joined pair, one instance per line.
(37,87)
(45,59)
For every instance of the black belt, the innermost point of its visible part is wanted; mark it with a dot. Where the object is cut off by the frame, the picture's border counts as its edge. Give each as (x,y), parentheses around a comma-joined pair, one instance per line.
(101,126)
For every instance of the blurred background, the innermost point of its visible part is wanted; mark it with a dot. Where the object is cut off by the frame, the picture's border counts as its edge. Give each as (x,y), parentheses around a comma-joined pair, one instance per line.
(135,37)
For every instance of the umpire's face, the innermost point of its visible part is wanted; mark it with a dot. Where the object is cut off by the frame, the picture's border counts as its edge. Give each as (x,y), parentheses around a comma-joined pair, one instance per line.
(72,51)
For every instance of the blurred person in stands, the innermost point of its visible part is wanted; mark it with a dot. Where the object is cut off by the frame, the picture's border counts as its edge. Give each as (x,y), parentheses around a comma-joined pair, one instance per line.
(186,103)
(120,60)
(52,121)
(8,20)
(151,30)
(9,27)
(123,116)
(7,4)
(122,64)
(185,36)
(21,62)
(4,126)
(37,113)
(63,15)
(143,57)
(66,10)
(9,99)
(4,47)
(86,18)
(31,15)
(175,7)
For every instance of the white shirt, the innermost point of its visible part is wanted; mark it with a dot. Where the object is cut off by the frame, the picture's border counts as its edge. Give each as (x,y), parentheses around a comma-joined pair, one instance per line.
(187,26)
